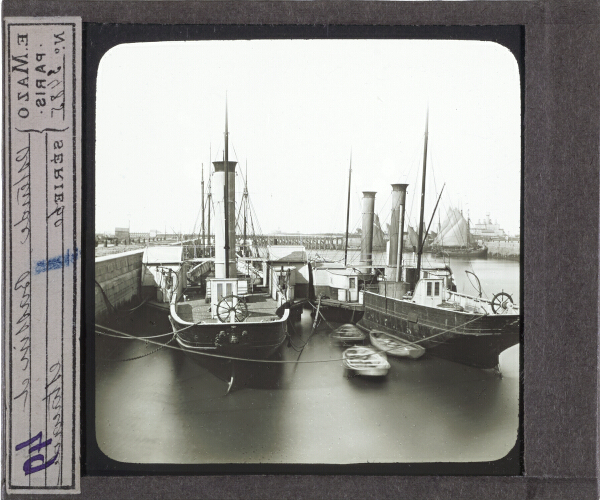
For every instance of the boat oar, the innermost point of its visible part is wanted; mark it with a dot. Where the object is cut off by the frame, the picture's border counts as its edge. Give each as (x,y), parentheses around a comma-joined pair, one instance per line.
(231,380)
(316,315)
(312,330)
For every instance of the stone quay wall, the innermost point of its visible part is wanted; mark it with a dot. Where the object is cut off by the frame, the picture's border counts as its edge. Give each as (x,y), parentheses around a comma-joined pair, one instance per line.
(504,249)
(120,276)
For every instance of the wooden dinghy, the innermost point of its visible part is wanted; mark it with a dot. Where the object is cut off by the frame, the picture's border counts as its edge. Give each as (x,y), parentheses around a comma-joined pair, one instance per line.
(365,361)
(395,346)
(348,334)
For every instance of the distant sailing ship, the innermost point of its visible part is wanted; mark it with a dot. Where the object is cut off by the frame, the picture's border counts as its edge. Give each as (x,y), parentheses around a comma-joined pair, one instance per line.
(454,239)
(421,306)
(379,242)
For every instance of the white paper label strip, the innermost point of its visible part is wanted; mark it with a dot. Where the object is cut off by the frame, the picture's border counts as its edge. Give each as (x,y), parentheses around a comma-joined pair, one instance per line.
(42,250)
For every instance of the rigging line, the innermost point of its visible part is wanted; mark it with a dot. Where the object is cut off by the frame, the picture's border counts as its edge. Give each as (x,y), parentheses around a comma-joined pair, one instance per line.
(233,358)
(237,217)
(295,347)
(432,169)
(109,303)
(254,240)
(253,211)
(141,356)
(129,311)
(412,203)
(483,292)
(383,207)
(234,151)
(135,336)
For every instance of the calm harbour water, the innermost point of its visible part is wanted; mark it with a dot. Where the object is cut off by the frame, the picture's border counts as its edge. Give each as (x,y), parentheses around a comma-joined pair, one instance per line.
(168,408)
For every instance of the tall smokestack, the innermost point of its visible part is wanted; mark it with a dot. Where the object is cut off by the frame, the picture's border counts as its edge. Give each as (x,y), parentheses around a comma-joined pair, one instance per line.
(366,244)
(219,225)
(402,211)
(394,226)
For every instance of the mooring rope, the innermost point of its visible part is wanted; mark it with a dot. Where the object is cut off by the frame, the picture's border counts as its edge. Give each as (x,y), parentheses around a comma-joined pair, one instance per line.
(295,347)
(134,337)
(233,358)
(109,303)
(162,346)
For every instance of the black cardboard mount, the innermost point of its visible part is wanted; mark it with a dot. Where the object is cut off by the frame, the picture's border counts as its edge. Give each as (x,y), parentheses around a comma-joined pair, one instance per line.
(560,221)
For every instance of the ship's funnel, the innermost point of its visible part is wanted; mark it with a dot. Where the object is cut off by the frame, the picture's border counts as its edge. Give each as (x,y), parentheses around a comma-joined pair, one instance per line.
(397,229)
(366,244)
(219,200)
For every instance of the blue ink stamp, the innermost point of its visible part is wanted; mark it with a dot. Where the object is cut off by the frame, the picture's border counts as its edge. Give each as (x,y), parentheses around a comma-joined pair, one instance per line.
(57,262)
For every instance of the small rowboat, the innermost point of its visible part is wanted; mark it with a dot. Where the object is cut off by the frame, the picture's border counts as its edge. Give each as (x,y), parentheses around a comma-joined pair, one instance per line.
(348,334)
(365,361)
(395,346)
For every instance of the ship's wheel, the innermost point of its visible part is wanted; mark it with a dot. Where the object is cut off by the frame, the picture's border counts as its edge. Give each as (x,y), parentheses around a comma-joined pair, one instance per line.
(232,304)
(502,303)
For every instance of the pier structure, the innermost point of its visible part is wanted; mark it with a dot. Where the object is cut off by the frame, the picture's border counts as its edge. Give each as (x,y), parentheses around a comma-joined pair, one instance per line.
(118,280)
(329,241)
(196,248)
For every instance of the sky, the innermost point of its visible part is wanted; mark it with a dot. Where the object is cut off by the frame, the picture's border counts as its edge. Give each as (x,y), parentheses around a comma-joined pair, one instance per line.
(299,112)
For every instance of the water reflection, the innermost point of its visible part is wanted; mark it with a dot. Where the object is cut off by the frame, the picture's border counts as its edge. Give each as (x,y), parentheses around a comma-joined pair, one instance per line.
(168,408)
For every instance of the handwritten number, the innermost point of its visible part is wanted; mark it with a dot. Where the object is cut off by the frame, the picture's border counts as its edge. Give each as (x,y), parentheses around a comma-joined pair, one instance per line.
(28,466)
(31,441)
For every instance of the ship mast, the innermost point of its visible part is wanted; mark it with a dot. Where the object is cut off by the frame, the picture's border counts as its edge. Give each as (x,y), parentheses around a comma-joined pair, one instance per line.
(202,201)
(468,229)
(209,197)
(209,203)
(348,211)
(226,193)
(245,209)
(421,242)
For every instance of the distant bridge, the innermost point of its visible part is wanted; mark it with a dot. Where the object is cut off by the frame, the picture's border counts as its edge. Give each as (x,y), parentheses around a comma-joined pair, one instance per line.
(324,241)
(329,241)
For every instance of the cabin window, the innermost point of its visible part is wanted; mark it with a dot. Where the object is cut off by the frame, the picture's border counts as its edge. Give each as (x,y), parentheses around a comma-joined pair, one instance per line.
(437,289)
(229,289)
(219,291)
(352,283)
(429,289)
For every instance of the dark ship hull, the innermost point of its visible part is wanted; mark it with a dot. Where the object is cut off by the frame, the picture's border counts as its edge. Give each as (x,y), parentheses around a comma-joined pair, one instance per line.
(465,253)
(247,340)
(471,339)
(340,312)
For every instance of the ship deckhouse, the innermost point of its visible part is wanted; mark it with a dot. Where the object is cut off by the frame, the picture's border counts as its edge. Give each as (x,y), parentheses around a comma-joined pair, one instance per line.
(429,292)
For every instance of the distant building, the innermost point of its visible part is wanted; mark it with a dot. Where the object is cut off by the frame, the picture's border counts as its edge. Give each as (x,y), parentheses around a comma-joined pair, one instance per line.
(487,230)
(122,233)
(143,236)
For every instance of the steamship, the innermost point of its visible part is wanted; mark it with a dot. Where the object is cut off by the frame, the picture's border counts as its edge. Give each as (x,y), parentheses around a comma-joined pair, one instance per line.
(235,319)
(421,305)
